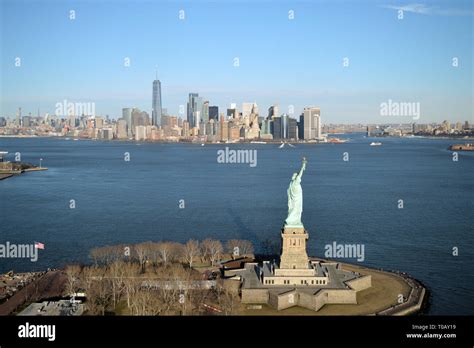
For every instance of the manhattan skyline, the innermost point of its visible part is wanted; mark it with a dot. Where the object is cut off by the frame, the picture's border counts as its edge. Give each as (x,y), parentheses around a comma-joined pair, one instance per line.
(230,53)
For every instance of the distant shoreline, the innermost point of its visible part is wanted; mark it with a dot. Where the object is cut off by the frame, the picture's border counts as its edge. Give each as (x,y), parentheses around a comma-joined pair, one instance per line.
(253,141)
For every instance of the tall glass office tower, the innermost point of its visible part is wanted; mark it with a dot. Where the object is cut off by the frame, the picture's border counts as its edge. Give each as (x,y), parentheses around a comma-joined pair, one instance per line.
(196,110)
(190,110)
(156,104)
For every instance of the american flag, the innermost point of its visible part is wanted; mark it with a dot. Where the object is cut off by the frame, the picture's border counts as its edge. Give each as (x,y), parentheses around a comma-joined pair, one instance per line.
(39,245)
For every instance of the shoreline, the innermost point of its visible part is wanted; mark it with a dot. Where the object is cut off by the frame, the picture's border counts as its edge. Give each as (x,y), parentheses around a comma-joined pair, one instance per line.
(417,301)
(5,174)
(249,141)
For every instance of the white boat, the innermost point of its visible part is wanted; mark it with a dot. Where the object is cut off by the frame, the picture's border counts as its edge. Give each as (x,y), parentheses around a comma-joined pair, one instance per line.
(202,144)
(282,144)
(257,142)
(375,143)
(290,145)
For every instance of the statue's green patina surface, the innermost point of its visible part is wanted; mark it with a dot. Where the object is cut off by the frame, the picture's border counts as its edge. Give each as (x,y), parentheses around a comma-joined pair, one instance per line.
(295,199)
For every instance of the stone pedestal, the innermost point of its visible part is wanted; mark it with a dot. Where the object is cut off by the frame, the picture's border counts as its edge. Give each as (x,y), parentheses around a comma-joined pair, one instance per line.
(293,252)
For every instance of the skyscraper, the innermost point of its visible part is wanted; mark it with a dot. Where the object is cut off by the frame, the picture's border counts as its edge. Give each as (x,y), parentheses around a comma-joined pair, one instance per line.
(18,117)
(156,104)
(127,116)
(284,126)
(277,127)
(312,123)
(224,126)
(273,111)
(213,113)
(205,112)
(232,113)
(194,109)
(292,129)
(121,129)
(197,111)
(247,109)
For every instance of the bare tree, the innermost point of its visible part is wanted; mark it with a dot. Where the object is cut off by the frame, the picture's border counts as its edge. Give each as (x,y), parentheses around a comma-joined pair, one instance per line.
(246,248)
(233,248)
(72,282)
(131,282)
(170,287)
(237,247)
(145,302)
(177,252)
(191,252)
(141,251)
(107,254)
(165,250)
(99,296)
(213,249)
(228,300)
(153,253)
(117,273)
(97,290)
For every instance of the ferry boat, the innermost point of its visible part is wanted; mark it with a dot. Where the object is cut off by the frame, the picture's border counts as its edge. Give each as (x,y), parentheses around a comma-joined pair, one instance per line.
(462,147)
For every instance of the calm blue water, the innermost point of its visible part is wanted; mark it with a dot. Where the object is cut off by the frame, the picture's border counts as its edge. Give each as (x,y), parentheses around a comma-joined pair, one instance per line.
(348,202)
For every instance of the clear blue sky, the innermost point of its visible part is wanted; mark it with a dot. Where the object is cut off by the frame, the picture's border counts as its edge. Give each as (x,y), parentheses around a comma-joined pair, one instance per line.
(291,62)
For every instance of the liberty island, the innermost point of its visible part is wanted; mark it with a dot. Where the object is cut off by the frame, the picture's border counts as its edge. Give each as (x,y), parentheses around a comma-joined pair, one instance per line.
(298,280)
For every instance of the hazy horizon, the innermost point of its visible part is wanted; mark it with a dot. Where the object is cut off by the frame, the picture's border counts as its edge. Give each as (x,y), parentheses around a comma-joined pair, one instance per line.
(289,58)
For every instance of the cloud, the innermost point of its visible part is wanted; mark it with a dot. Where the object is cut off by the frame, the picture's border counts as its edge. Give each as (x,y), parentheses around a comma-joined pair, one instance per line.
(430,10)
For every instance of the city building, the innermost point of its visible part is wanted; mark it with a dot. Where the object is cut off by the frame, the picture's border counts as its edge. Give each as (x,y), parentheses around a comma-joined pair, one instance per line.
(127,116)
(277,127)
(140,133)
(205,112)
(234,131)
(312,123)
(292,129)
(224,126)
(214,113)
(273,110)
(122,129)
(266,129)
(190,108)
(284,126)
(156,103)
(232,113)
(185,131)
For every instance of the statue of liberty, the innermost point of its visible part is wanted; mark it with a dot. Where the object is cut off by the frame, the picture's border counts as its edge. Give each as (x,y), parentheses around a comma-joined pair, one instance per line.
(295,199)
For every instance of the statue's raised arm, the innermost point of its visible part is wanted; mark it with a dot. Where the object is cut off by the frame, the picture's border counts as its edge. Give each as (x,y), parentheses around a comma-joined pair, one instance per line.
(303,167)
